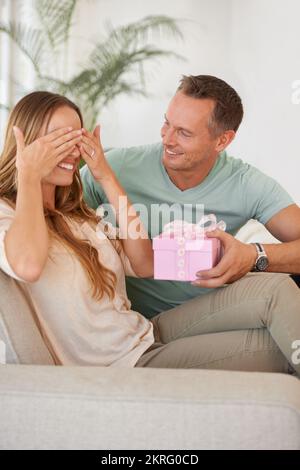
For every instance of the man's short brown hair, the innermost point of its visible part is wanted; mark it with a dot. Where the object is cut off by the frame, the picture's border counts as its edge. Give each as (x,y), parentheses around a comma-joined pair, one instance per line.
(228,111)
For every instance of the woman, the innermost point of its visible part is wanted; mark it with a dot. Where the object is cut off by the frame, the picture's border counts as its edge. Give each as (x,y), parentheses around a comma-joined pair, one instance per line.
(68,262)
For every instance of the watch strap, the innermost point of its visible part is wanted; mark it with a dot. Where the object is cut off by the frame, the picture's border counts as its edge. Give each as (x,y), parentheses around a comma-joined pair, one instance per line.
(260,253)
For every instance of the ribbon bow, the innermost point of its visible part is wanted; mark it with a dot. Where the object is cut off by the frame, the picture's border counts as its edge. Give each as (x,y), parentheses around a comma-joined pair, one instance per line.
(181,228)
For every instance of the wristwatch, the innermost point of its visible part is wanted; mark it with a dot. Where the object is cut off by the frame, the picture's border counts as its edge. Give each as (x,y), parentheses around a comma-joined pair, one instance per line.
(262,261)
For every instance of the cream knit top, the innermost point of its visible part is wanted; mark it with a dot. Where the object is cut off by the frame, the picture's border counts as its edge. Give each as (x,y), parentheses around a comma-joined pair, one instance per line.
(79,329)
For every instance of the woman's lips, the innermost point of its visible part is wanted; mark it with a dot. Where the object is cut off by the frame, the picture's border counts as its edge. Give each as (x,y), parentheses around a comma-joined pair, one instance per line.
(66,166)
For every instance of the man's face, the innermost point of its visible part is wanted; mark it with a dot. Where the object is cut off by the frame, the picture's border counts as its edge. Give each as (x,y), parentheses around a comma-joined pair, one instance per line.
(185,134)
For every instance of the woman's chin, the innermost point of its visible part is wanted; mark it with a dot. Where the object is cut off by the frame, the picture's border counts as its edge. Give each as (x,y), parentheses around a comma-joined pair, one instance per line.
(65,181)
(60,180)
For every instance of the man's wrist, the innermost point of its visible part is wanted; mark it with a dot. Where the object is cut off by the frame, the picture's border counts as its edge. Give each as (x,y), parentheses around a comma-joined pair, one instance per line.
(253,256)
(262,262)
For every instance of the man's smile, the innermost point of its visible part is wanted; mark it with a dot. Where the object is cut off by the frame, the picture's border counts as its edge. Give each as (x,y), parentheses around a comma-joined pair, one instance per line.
(172,153)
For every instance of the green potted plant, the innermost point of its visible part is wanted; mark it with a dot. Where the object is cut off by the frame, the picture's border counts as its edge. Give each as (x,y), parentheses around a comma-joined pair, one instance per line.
(114,65)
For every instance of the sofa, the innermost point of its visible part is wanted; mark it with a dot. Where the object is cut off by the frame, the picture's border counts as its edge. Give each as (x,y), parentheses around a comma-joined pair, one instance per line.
(44,406)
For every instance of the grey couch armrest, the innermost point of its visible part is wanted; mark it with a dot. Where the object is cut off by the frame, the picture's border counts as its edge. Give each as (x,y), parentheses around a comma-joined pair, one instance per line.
(48,407)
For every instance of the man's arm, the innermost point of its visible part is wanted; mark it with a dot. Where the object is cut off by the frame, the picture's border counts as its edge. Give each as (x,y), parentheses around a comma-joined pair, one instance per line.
(263,199)
(285,226)
(239,258)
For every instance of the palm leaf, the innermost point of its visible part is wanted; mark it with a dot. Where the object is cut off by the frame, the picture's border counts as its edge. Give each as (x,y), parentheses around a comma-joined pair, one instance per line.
(29,40)
(115,65)
(99,83)
(141,31)
(109,74)
(134,35)
(119,55)
(53,84)
(122,87)
(56,19)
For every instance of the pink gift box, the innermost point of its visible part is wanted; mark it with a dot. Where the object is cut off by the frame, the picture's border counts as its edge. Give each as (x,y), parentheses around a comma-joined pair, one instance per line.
(179,258)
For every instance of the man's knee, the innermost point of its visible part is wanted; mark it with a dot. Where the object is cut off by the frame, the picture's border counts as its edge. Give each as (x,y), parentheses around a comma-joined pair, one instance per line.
(286,288)
(284,298)
(273,283)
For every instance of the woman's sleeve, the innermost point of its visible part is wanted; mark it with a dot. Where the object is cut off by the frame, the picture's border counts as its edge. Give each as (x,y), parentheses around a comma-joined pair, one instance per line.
(112,233)
(127,265)
(6,220)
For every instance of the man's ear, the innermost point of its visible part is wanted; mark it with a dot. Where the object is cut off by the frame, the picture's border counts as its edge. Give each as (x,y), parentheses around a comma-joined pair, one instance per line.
(224,140)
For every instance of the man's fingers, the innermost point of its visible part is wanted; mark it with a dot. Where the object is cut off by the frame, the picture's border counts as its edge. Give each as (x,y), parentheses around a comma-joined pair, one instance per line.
(211,283)
(217,271)
(19,138)
(220,234)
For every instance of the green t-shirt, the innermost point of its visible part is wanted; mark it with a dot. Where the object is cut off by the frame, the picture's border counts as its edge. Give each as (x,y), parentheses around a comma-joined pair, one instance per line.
(233,190)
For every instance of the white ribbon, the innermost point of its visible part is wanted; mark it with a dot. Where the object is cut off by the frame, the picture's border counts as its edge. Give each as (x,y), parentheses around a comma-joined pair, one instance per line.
(181,228)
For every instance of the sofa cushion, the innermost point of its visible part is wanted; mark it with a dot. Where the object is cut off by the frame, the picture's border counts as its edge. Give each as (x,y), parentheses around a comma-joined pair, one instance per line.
(147,408)
(19,330)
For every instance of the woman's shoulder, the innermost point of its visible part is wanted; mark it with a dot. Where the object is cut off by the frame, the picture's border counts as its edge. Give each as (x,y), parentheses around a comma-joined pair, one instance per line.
(99,233)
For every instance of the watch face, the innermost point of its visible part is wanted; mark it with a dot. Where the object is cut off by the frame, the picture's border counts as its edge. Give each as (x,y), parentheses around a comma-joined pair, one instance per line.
(262,263)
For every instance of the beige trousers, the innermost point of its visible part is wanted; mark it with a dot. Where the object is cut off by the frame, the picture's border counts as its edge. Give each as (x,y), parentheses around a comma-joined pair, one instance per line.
(249,325)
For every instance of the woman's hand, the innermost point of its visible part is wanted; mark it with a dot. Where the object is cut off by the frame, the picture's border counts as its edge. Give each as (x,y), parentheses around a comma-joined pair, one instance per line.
(92,153)
(137,249)
(41,157)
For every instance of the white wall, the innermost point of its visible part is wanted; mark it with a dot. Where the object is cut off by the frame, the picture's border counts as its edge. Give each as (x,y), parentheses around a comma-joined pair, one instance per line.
(252,44)
(16,73)
(265,52)
(133,121)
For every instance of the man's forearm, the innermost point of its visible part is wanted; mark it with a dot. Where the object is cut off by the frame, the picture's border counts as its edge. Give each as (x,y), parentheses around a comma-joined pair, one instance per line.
(283,257)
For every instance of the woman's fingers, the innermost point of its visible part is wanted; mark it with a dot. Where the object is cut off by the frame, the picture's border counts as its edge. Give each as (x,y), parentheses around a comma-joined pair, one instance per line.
(19,138)
(67,145)
(57,133)
(90,144)
(87,133)
(96,132)
(66,138)
(86,153)
(63,155)
(95,138)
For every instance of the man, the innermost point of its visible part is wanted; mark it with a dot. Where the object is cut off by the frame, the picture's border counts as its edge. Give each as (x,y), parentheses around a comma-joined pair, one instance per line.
(191,167)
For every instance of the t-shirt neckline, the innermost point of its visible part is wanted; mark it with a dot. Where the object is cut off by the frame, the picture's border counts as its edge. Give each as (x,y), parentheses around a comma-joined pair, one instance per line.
(201,186)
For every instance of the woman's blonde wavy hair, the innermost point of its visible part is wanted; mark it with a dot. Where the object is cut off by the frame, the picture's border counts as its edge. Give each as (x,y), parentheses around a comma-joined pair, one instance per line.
(30,114)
